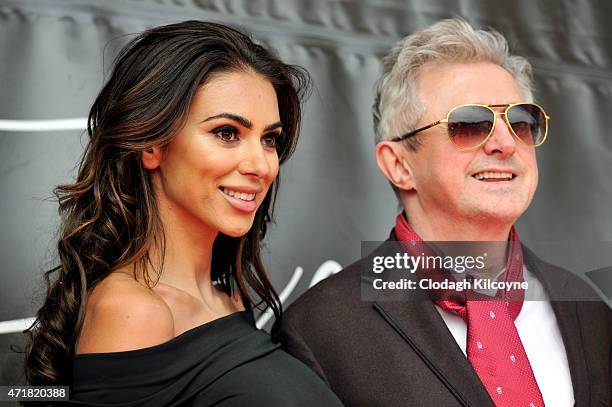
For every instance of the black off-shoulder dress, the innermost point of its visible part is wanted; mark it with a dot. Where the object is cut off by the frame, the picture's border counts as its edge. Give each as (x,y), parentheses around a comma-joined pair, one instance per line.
(226,362)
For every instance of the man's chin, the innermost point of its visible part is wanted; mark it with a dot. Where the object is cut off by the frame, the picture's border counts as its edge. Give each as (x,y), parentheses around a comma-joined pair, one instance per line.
(499,214)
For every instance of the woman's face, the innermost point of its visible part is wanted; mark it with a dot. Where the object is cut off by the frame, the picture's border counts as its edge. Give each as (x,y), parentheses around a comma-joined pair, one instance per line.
(216,171)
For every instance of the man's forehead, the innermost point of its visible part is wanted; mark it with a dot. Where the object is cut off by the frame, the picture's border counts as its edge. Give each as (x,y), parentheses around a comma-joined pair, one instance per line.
(447,84)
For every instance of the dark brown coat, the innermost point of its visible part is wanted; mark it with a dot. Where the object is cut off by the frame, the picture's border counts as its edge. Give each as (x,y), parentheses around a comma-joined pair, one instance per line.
(401,353)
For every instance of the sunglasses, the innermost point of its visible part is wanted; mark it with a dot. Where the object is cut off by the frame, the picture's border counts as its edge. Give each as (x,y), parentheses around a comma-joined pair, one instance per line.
(470,126)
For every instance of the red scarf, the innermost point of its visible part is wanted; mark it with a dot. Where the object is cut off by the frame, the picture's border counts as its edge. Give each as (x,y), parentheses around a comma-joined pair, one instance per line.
(494,348)
(455,301)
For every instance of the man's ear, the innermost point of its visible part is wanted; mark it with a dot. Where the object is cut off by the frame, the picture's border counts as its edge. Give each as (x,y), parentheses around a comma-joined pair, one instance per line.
(151,158)
(391,158)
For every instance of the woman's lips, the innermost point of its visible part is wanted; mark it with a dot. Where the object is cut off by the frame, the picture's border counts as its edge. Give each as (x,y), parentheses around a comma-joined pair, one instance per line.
(242,201)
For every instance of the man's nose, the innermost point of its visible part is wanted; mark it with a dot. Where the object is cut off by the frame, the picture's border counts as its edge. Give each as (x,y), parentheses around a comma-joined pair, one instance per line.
(502,142)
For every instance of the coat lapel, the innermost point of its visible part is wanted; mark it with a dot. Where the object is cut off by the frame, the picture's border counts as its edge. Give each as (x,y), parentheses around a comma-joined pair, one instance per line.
(423,329)
(419,324)
(556,285)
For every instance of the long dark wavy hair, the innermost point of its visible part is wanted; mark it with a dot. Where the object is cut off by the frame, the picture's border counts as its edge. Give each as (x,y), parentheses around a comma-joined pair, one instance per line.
(109,215)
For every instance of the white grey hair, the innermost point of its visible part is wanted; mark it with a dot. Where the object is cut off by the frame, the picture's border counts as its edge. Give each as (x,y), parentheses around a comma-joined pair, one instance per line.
(397,108)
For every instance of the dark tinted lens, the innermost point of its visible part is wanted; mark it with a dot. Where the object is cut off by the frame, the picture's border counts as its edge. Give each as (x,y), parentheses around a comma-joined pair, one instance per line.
(468,126)
(528,122)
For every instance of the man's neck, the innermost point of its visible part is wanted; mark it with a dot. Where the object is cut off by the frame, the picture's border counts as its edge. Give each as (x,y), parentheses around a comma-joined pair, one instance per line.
(445,225)
(491,233)
(458,230)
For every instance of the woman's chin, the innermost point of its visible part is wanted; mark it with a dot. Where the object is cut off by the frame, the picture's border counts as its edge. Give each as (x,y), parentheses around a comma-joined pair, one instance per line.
(237,230)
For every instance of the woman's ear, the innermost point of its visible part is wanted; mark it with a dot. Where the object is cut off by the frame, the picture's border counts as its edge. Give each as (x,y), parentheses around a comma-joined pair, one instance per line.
(391,158)
(151,158)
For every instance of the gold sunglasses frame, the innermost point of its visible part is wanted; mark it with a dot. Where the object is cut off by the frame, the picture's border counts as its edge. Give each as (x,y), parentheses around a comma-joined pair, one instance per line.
(507,107)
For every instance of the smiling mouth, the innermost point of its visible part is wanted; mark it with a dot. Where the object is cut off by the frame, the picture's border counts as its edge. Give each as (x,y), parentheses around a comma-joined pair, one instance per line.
(493,176)
(238,195)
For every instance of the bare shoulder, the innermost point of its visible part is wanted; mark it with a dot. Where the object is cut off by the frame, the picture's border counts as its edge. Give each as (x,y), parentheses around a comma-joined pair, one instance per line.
(121,314)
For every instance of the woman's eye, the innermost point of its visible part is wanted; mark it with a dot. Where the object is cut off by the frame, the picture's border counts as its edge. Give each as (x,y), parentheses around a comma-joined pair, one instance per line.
(270,140)
(226,134)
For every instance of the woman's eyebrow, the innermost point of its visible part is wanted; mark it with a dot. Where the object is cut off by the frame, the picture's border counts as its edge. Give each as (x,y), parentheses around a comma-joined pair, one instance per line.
(273,126)
(242,120)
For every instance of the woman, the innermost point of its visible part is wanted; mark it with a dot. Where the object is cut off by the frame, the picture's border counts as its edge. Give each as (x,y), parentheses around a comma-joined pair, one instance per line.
(159,250)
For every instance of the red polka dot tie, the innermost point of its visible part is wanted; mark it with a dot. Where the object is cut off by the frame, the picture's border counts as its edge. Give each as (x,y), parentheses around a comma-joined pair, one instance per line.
(496,353)
(494,347)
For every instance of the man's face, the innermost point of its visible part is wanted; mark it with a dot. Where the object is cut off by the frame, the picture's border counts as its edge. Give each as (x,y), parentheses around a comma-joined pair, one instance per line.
(444,177)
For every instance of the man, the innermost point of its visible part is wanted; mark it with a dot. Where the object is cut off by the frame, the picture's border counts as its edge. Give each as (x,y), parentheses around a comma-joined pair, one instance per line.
(456,137)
